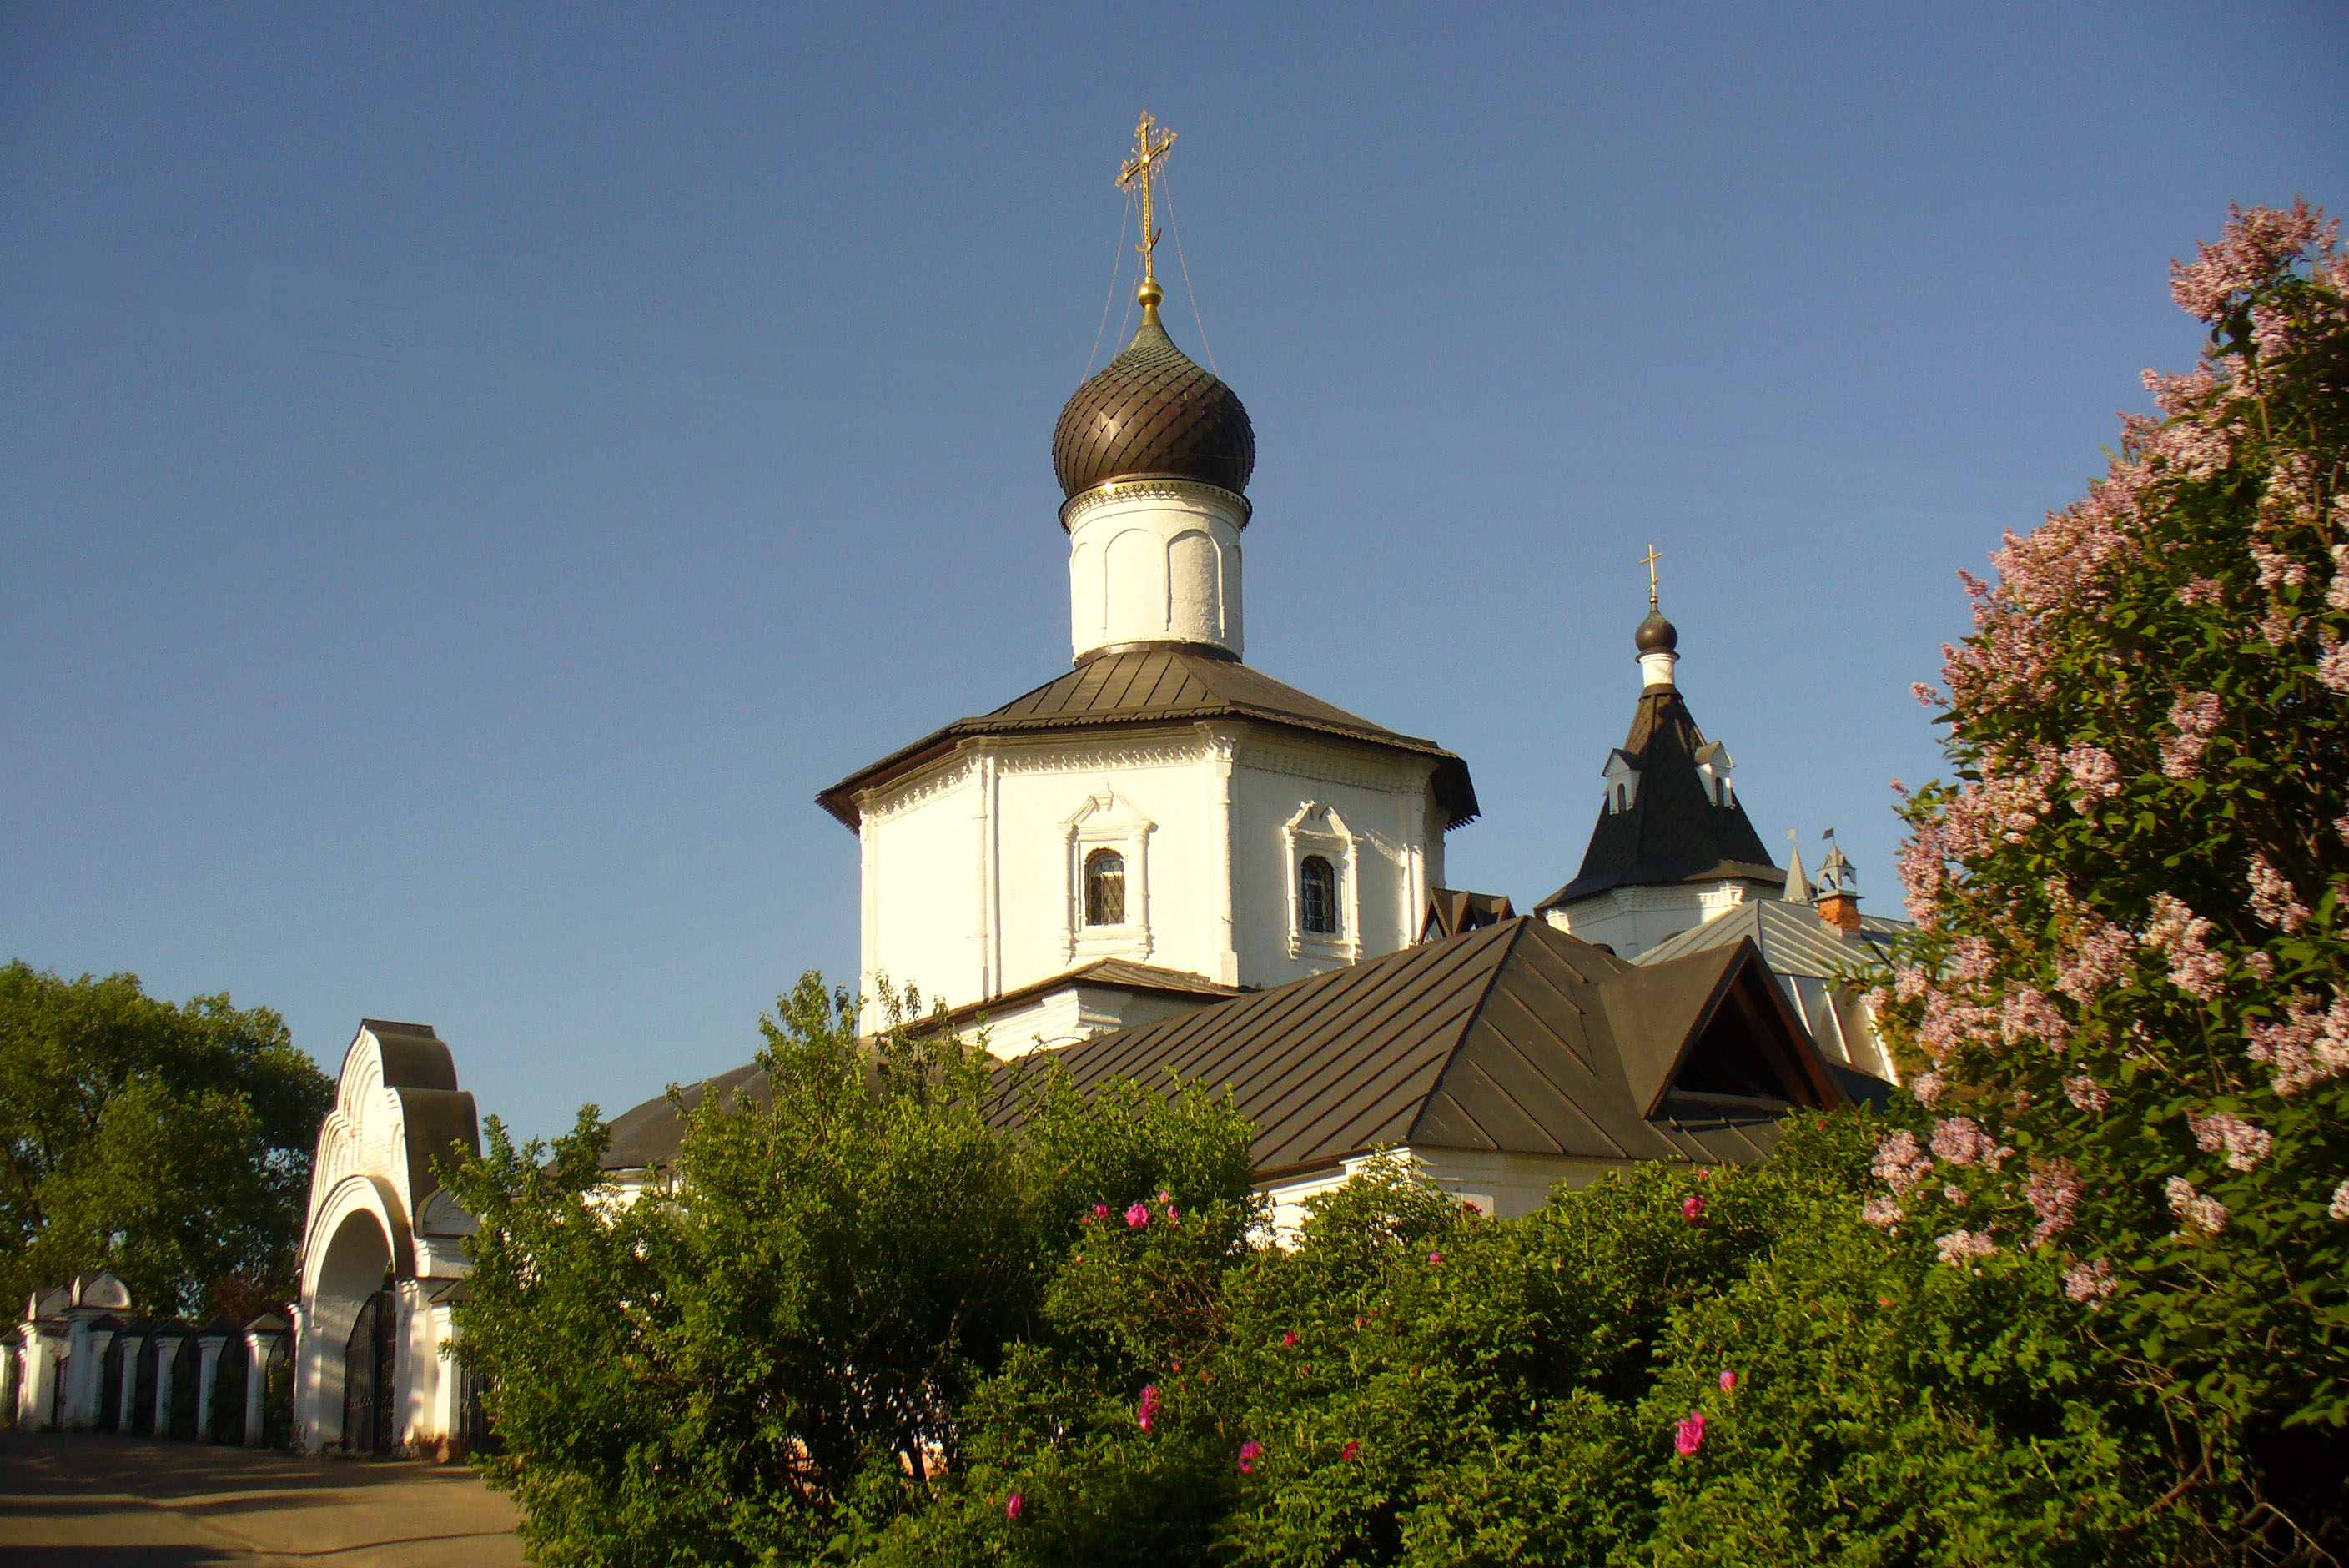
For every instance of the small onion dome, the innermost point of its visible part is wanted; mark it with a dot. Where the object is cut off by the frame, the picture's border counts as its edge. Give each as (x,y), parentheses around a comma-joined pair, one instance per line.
(1153,413)
(1656,635)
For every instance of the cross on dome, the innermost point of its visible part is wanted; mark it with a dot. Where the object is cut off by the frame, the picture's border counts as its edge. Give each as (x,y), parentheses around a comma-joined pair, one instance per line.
(1137,173)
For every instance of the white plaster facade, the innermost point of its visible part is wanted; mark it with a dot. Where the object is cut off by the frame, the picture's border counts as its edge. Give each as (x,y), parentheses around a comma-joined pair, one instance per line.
(1632,919)
(1499,1186)
(1154,561)
(378,1222)
(973,867)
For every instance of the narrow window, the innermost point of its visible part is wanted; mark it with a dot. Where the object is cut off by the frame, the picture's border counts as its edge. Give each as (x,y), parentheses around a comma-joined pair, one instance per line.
(1317,897)
(1104,888)
(1622,798)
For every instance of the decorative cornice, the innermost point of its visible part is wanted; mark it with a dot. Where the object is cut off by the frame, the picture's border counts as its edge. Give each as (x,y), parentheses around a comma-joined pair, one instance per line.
(1155,487)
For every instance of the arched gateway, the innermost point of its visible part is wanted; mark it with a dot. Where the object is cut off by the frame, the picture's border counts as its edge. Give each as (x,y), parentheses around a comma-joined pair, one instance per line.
(382,1249)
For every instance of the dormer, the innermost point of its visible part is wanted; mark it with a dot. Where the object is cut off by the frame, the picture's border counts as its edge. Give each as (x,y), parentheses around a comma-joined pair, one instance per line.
(1622,776)
(1714,767)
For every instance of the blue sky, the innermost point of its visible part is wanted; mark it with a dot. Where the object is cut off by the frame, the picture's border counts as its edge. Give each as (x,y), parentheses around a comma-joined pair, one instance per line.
(469,475)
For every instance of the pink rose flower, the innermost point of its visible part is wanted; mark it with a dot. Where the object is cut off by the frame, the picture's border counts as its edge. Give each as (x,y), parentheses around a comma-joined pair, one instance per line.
(1147,1411)
(1249,1453)
(1728,1381)
(1012,1505)
(1288,1337)
(1351,1450)
(1692,1210)
(1137,1217)
(1688,1436)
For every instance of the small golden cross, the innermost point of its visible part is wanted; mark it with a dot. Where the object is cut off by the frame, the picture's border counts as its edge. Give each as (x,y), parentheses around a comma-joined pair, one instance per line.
(1142,168)
(1649,560)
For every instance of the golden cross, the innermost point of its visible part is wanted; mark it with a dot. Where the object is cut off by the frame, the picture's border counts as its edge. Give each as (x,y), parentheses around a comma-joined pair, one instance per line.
(1141,169)
(1649,561)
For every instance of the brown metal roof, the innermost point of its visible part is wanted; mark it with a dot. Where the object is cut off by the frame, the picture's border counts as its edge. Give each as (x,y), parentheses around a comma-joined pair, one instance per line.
(1514,1038)
(1173,684)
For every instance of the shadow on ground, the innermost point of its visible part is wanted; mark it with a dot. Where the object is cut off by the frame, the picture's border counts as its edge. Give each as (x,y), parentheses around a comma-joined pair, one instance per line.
(105,1501)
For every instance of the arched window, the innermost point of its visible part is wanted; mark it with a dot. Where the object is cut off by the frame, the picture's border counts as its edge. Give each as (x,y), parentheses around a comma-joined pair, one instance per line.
(1104,888)
(1317,897)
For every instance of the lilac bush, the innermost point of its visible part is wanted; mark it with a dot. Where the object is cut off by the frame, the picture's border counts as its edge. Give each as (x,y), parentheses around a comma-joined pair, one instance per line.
(2127,1006)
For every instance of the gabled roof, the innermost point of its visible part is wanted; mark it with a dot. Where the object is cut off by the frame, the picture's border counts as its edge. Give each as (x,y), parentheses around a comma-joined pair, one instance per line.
(1516,1038)
(1104,973)
(1186,682)
(1674,831)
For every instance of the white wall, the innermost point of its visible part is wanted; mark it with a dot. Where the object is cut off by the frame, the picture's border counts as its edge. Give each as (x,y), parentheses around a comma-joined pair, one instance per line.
(1154,561)
(1632,920)
(972,868)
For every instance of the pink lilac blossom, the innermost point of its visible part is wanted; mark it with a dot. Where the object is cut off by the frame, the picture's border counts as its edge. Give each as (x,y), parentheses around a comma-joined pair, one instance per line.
(2195,716)
(2089,1283)
(2027,1015)
(1882,1212)
(2280,628)
(2341,827)
(1953,1195)
(2053,1194)
(2276,567)
(2258,242)
(2245,1144)
(2332,668)
(2179,934)
(1961,1140)
(1927,1088)
(2337,596)
(1908,983)
(2340,1210)
(2086,1094)
(1689,1434)
(2307,1047)
(2202,591)
(2272,898)
(2102,954)
(2195,1211)
(2259,964)
(1959,1246)
(2094,772)
(1901,1164)
(1970,958)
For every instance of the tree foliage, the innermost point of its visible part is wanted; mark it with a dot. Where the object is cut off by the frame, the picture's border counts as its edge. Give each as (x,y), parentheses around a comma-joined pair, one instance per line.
(776,1348)
(168,1143)
(2130,1004)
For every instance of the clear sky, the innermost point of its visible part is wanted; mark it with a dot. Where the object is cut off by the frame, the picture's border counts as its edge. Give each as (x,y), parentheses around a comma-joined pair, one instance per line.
(470,475)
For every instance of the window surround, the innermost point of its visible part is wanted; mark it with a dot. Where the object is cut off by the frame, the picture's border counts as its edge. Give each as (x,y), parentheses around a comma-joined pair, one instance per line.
(1317,829)
(1107,822)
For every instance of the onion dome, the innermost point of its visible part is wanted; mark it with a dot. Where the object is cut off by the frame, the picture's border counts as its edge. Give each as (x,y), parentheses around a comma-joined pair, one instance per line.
(1656,635)
(1153,414)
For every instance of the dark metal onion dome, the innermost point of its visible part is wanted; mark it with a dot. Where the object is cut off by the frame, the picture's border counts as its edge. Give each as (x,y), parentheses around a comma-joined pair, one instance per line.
(1656,635)
(1153,414)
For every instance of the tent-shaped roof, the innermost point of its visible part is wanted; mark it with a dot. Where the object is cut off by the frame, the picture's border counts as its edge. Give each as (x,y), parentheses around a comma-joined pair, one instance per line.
(1674,830)
(1177,684)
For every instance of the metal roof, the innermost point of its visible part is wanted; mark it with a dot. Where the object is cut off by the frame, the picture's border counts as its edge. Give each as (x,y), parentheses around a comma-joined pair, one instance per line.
(1792,938)
(1185,682)
(1514,1039)
(1673,831)
(1152,412)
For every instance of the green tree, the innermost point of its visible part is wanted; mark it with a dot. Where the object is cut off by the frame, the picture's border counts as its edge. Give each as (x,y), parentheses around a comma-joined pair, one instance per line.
(2129,1005)
(168,1143)
(773,1351)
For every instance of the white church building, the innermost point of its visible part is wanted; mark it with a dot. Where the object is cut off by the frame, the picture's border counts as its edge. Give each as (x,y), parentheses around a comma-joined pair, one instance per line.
(1164,857)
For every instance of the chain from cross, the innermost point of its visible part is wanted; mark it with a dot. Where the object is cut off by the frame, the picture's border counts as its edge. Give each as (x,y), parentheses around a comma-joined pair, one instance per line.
(1141,169)
(1649,561)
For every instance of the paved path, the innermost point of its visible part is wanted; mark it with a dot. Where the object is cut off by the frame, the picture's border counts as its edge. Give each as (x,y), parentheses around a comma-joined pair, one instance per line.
(132,1502)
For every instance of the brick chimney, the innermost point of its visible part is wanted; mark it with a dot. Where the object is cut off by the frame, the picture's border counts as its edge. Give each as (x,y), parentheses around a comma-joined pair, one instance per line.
(1838,899)
(1839,909)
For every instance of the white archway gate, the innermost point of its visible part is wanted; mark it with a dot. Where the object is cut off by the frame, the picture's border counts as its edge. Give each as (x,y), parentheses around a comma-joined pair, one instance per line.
(382,1244)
